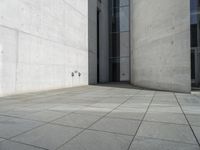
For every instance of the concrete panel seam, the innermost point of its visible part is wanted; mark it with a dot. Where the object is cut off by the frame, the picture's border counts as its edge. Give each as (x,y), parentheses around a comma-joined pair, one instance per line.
(66,3)
(40,37)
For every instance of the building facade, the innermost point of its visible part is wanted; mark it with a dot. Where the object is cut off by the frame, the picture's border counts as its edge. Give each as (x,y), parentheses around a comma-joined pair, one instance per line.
(48,44)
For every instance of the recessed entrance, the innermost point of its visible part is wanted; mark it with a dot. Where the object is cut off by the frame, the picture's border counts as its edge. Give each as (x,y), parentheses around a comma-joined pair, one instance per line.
(119,50)
(195,42)
(98,61)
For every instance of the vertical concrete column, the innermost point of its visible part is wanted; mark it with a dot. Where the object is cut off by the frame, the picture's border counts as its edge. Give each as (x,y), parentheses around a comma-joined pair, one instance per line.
(104,43)
(160,44)
(92,41)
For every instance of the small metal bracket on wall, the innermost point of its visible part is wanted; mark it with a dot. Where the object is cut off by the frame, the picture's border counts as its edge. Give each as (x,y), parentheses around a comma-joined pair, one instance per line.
(72,74)
(76,72)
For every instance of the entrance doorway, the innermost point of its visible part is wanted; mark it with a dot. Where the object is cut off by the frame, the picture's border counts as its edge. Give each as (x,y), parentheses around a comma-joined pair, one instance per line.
(98,61)
(119,41)
(195,42)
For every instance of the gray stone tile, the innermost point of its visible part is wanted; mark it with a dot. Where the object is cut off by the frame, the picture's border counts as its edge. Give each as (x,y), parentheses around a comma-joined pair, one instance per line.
(93,140)
(1,139)
(21,111)
(77,120)
(46,116)
(66,108)
(5,109)
(89,104)
(136,104)
(106,105)
(141,143)
(167,109)
(166,117)
(194,120)
(8,145)
(94,111)
(191,110)
(189,100)
(197,132)
(165,131)
(48,136)
(164,102)
(128,113)
(10,127)
(116,125)
(163,93)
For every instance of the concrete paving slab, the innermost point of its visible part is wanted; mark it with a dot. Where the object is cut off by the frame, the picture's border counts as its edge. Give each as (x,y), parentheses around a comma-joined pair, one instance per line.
(94,140)
(196,132)
(67,108)
(46,116)
(94,111)
(191,110)
(167,109)
(194,120)
(164,103)
(48,136)
(1,139)
(128,113)
(10,127)
(9,145)
(141,143)
(165,131)
(82,106)
(115,125)
(77,120)
(166,117)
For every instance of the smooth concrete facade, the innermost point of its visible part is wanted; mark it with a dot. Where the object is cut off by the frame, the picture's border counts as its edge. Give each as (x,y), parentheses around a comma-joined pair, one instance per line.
(104,42)
(160,44)
(49,44)
(124,56)
(42,42)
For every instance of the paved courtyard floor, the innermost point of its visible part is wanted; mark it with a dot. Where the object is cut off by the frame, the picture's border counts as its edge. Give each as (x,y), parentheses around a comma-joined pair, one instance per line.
(105,117)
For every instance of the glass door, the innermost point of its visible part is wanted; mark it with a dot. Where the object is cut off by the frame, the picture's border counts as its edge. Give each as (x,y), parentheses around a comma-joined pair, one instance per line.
(119,53)
(195,42)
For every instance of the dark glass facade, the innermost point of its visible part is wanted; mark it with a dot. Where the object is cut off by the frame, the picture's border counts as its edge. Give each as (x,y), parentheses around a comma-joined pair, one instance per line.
(119,40)
(195,42)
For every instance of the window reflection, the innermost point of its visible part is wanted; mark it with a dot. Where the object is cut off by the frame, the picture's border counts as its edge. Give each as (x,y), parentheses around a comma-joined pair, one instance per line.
(119,3)
(195,41)
(119,40)
(120,19)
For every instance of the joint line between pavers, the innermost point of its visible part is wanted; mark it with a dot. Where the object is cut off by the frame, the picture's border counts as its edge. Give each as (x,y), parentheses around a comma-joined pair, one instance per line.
(96,121)
(141,121)
(187,120)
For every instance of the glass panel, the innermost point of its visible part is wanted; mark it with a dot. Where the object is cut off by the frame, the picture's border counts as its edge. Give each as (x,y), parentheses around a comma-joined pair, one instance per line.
(119,3)
(124,2)
(119,40)
(120,19)
(193,65)
(115,43)
(195,42)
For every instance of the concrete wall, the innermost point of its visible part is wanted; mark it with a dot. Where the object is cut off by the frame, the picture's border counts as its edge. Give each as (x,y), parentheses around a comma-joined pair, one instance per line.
(103,41)
(160,44)
(41,43)
(124,56)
